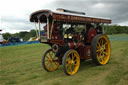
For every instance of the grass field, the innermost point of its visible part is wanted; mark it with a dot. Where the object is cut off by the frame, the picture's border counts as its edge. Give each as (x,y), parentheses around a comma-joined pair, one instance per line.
(21,65)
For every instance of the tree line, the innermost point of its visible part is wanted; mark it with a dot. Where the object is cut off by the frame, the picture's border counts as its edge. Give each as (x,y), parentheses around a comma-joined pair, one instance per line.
(115,29)
(23,34)
(108,29)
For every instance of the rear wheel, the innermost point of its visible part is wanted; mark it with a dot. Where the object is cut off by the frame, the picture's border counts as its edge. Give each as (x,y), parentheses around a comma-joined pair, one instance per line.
(101,49)
(49,61)
(71,62)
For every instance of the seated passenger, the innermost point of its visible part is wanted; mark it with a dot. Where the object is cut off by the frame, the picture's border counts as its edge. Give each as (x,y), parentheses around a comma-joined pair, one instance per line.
(45,28)
(57,30)
(88,26)
(58,27)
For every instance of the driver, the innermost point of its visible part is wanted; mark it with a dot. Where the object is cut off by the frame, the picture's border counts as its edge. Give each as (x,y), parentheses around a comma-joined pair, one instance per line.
(99,29)
(70,30)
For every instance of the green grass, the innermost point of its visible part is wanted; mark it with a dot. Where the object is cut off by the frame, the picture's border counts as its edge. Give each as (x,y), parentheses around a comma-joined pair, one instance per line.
(118,37)
(21,65)
(123,35)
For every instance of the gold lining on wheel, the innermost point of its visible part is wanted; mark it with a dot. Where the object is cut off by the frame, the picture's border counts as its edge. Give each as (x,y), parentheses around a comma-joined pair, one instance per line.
(51,61)
(103,50)
(72,62)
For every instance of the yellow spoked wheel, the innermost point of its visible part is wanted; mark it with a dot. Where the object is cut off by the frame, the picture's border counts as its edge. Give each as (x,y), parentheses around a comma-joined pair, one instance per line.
(49,61)
(101,49)
(71,62)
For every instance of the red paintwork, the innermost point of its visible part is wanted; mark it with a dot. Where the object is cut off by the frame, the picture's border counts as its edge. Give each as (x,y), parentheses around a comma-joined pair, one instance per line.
(71,45)
(88,52)
(64,17)
(84,52)
(56,35)
(59,42)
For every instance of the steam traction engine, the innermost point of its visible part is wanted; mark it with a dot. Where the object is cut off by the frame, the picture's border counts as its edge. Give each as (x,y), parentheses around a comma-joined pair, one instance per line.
(73,37)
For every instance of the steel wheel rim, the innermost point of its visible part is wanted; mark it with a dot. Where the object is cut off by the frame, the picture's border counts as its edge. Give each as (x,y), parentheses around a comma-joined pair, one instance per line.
(72,62)
(103,50)
(51,61)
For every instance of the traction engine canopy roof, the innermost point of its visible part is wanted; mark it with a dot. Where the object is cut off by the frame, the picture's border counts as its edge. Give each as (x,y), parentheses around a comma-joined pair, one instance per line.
(62,16)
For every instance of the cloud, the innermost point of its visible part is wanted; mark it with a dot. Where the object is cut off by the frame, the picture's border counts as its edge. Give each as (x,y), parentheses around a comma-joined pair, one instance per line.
(15,14)
(13,19)
(15,24)
(117,10)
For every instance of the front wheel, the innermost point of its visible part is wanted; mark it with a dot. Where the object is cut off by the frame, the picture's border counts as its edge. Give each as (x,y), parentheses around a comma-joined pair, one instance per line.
(101,49)
(49,61)
(71,62)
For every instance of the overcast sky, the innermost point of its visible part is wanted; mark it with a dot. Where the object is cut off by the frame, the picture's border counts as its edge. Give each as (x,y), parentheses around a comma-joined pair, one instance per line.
(14,14)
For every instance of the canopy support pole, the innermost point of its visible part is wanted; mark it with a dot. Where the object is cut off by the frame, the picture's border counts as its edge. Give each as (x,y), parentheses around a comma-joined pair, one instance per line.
(103,28)
(51,29)
(48,28)
(39,28)
(36,30)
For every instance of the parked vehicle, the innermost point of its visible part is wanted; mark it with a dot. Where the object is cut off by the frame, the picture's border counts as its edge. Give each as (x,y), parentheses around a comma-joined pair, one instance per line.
(13,39)
(73,37)
(1,39)
(32,39)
